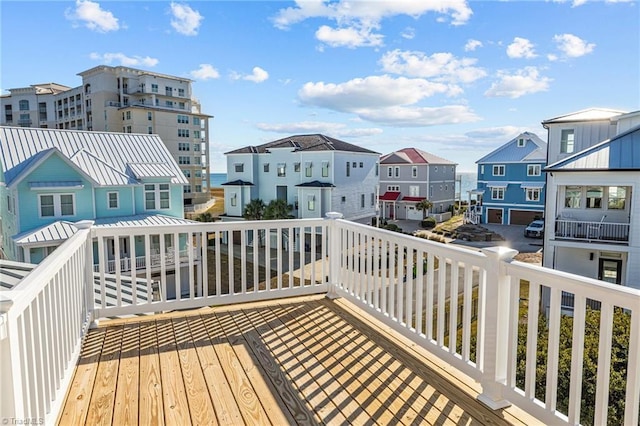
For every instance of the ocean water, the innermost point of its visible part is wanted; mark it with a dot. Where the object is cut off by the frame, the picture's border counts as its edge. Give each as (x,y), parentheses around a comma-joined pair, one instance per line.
(468,181)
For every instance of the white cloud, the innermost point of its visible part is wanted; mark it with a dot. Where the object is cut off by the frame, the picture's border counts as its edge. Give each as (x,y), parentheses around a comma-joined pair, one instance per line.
(523,82)
(572,46)
(400,116)
(356,20)
(409,33)
(205,72)
(185,20)
(521,48)
(308,127)
(93,16)
(472,45)
(124,60)
(577,3)
(350,37)
(443,67)
(258,75)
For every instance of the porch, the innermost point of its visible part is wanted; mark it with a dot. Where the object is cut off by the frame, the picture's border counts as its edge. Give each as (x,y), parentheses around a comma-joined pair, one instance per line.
(469,321)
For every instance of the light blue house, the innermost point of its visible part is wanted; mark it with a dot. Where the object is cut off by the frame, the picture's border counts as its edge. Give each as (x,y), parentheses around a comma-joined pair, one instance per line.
(51,179)
(511,185)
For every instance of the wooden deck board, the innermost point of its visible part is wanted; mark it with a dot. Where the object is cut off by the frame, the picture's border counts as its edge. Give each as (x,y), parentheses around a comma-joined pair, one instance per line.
(302,361)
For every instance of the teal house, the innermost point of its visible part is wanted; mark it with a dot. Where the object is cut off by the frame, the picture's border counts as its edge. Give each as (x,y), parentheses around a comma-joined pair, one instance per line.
(50,179)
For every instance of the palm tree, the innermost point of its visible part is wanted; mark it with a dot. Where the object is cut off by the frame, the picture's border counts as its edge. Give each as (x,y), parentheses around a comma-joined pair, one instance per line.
(424,206)
(278,209)
(254,210)
(205,217)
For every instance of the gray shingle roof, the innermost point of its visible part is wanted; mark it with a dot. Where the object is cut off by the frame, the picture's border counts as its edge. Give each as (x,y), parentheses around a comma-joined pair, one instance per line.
(103,157)
(315,142)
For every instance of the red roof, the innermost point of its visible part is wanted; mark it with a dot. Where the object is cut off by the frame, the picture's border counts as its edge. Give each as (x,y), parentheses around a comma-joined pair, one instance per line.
(390,196)
(413,199)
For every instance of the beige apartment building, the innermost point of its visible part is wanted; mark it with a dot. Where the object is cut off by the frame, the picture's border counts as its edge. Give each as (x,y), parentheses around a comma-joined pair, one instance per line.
(126,100)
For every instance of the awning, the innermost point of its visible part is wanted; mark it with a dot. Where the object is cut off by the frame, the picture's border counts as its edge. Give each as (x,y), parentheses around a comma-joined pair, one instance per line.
(413,199)
(476,191)
(390,196)
(238,182)
(497,184)
(527,185)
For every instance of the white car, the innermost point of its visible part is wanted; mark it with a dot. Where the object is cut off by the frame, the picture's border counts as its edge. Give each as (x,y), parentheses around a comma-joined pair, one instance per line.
(535,229)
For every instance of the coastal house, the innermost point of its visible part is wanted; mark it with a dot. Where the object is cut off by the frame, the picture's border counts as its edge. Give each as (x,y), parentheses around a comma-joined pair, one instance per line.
(52,179)
(409,176)
(511,185)
(314,173)
(126,100)
(593,207)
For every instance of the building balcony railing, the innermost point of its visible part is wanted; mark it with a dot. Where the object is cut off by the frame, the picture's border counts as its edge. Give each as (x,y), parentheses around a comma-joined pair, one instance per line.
(478,312)
(606,232)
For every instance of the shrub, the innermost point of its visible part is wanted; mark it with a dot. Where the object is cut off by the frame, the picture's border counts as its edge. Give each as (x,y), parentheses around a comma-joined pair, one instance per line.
(428,223)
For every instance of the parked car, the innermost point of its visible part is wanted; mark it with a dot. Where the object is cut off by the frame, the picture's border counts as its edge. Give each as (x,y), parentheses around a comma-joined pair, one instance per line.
(535,229)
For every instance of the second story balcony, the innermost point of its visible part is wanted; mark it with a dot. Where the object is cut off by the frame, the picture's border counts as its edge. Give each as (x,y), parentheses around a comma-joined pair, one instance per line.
(312,321)
(570,228)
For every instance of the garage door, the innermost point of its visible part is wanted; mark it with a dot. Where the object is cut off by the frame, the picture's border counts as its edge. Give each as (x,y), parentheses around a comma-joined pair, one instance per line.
(494,216)
(413,213)
(523,217)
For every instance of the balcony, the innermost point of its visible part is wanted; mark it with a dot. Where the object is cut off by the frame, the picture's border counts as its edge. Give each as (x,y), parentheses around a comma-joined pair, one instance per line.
(357,327)
(600,231)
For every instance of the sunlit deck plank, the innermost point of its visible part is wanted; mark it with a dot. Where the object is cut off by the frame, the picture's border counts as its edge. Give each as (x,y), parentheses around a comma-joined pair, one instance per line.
(76,405)
(150,399)
(125,411)
(241,388)
(225,405)
(200,406)
(287,348)
(176,407)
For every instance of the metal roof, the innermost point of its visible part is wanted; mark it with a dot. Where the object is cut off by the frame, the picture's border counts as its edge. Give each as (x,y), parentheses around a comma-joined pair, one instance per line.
(150,170)
(315,142)
(497,184)
(532,185)
(622,152)
(53,232)
(102,156)
(140,220)
(11,273)
(589,114)
(534,150)
(413,156)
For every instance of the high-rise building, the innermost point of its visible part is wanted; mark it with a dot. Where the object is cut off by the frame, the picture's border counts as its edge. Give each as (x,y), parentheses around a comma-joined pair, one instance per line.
(125,100)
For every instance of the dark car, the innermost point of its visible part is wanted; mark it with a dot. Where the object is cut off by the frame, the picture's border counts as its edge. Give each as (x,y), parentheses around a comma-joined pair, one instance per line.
(535,229)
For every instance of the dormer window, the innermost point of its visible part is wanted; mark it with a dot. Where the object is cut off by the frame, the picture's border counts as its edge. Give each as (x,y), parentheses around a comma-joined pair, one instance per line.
(520,142)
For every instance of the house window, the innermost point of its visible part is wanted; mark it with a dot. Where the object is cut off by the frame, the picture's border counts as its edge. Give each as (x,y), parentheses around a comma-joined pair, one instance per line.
(168,91)
(149,116)
(389,171)
(181,93)
(594,197)
(282,169)
(414,191)
(311,202)
(128,115)
(156,195)
(361,165)
(265,167)
(325,169)
(56,205)
(198,173)
(373,198)
(184,119)
(567,141)
(533,170)
(431,191)
(362,201)
(307,169)
(183,133)
(186,173)
(186,189)
(154,88)
(533,194)
(296,167)
(23,105)
(197,160)
(128,129)
(355,164)
(482,169)
(113,201)
(343,199)
(377,169)
(239,167)
(198,188)
(497,193)
(196,147)
(150,130)
(397,171)
(572,196)
(498,170)
(520,142)
(183,146)
(184,160)
(617,197)
(348,169)
(395,188)
(414,171)
(234,199)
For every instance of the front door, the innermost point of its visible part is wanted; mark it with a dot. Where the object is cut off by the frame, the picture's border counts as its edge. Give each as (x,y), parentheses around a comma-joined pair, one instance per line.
(610,270)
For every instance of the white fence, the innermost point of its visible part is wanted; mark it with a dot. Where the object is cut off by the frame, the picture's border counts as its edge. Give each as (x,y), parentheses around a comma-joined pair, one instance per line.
(469,308)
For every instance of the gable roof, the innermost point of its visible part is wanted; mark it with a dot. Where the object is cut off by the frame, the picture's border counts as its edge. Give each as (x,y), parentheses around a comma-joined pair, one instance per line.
(534,150)
(622,152)
(102,156)
(314,142)
(413,156)
(589,114)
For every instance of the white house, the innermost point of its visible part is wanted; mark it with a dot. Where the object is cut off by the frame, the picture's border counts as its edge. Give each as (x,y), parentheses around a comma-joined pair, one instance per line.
(314,173)
(592,209)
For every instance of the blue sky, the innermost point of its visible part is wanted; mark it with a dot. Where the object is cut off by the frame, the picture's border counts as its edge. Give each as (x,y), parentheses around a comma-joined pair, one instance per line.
(455,78)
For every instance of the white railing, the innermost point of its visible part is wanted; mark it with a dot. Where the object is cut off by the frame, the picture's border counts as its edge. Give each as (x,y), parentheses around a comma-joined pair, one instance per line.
(592,231)
(471,309)
(471,217)
(141,261)
(42,323)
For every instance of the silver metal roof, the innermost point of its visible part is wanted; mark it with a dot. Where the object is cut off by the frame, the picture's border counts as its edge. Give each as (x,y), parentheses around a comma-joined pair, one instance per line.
(141,220)
(104,157)
(54,232)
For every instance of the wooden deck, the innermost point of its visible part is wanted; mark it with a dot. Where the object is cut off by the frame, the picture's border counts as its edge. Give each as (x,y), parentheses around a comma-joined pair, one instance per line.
(299,361)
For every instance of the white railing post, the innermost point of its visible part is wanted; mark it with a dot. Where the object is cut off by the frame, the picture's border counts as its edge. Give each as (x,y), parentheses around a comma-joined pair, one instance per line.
(494,334)
(7,403)
(88,272)
(334,254)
